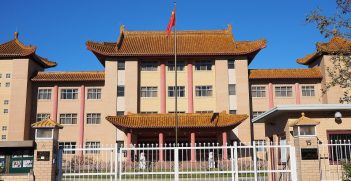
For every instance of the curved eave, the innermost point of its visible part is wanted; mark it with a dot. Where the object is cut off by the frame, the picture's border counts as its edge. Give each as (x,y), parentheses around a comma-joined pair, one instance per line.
(119,123)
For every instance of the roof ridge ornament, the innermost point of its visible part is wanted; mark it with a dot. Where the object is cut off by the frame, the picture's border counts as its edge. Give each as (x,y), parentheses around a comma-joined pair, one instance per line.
(16,35)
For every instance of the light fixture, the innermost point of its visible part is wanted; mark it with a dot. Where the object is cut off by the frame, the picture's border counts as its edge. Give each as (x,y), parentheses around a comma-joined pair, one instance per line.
(338,117)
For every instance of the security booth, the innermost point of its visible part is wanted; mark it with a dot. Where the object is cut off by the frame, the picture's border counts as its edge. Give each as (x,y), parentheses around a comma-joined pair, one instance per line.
(45,153)
(321,135)
(16,157)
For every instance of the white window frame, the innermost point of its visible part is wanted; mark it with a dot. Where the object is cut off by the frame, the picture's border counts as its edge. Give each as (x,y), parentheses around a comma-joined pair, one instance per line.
(258,91)
(203,91)
(46,138)
(70,116)
(94,93)
(180,66)
(180,90)
(205,65)
(69,94)
(285,89)
(149,66)
(148,91)
(308,91)
(94,118)
(44,94)
(42,116)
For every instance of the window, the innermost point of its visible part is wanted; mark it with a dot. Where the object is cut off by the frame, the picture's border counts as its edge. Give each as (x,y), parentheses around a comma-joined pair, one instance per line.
(308,90)
(231,64)
(231,89)
(69,93)
(42,116)
(120,90)
(202,91)
(44,94)
(180,66)
(180,90)
(3,137)
(283,91)
(93,118)
(6,111)
(44,133)
(203,65)
(7,84)
(120,113)
(256,113)
(172,112)
(148,91)
(258,91)
(232,111)
(204,111)
(68,118)
(6,102)
(339,152)
(149,66)
(94,93)
(283,156)
(121,65)
(8,76)
(68,145)
(148,112)
(4,128)
(92,147)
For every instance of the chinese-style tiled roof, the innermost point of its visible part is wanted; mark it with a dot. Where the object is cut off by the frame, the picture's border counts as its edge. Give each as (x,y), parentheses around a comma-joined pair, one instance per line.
(311,73)
(189,43)
(47,123)
(69,76)
(185,120)
(304,121)
(16,49)
(336,45)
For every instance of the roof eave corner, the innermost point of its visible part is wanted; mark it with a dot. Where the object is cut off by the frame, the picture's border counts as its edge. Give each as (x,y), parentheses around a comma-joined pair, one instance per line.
(229,30)
(121,36)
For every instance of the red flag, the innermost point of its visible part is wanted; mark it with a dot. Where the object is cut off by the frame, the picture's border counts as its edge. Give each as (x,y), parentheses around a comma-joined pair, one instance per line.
(171,23)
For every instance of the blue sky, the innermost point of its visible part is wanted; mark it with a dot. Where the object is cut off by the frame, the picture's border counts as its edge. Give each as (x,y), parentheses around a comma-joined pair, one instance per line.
(60,28)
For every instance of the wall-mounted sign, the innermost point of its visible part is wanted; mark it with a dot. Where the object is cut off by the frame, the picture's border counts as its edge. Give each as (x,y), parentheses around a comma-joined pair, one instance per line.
(43,156)
(309,154)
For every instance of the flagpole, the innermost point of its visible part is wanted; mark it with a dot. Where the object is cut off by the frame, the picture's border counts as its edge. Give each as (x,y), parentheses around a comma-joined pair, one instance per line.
(175,77)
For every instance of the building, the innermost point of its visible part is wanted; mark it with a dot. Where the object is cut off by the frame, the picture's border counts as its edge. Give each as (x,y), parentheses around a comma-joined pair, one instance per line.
(218,94)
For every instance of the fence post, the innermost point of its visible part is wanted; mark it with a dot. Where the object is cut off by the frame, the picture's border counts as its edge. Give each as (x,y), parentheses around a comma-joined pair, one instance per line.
(293,163)
(176,164)
(116,162)
(120,162)
(255,159)
(59,164)
(236,160)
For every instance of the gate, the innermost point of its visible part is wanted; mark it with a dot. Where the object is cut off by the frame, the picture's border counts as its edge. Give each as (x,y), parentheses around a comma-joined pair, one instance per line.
(332,157)
(256,161)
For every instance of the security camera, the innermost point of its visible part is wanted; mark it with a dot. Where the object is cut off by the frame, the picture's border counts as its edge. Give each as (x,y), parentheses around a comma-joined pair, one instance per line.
(338,117)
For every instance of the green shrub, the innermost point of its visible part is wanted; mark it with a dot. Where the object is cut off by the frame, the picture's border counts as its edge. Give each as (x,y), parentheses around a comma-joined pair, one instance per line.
(347,171)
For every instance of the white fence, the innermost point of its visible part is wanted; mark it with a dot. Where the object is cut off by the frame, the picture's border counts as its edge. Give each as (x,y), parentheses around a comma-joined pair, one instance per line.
(332,156)
(256,161)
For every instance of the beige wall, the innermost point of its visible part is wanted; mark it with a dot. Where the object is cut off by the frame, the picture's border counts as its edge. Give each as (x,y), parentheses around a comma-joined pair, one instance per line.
(5,94)
(243,103)
(20,99)
(222,93)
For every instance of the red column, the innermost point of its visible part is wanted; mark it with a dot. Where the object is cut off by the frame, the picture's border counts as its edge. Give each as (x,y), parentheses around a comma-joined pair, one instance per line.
(54,103)
(297,93)
(163,88)
(129,141)
(81,115)
(224,143)
(192,144)
(160,142)
(190,88)
(270,96)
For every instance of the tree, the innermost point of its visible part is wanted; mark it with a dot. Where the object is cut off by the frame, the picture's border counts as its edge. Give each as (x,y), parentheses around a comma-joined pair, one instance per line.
(339,25)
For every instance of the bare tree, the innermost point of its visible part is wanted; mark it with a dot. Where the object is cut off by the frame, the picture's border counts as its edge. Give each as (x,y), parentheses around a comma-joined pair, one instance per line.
(338,25)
